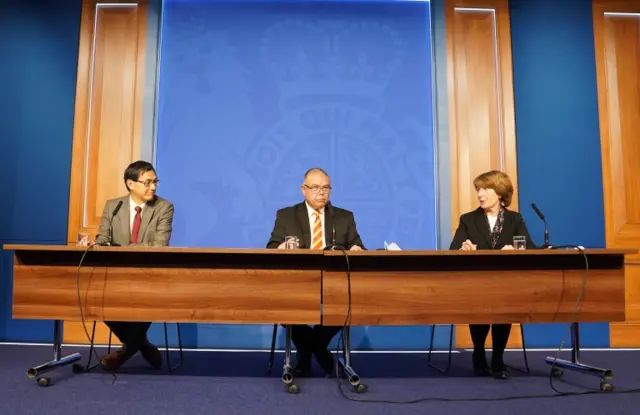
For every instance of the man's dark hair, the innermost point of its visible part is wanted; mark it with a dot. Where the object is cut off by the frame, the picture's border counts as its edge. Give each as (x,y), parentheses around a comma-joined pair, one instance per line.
(135,170)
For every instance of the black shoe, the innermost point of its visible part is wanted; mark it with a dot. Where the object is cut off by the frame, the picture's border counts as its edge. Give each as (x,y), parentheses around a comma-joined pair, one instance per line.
(302,371)
(480,366)
(500,371)
(502,374)
(481,370)
(303,363)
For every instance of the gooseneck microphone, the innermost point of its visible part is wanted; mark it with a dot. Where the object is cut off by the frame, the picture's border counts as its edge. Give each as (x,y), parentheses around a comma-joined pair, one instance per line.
(329,210)
(546,229)
(113,215)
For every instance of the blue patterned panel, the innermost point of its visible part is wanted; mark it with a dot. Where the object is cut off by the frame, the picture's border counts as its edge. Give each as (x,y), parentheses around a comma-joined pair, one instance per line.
(254,93)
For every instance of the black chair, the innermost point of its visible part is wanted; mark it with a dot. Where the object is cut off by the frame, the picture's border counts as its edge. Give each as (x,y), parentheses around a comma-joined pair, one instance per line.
(166,347)
(451,330)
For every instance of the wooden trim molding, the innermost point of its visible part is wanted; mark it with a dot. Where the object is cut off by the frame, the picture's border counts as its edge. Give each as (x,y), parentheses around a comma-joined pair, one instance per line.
(108,118)
(616,25)
(481,107)
(108,111)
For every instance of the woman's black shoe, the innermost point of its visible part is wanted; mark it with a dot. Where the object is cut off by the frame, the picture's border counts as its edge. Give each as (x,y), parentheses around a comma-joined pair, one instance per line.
(481,370)
(501,373)
(480,366)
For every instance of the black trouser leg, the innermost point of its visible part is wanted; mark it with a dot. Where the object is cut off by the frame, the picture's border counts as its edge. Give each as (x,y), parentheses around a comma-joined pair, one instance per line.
(479,333)
(323,336)
(302,337)
(499,336)
(321,339)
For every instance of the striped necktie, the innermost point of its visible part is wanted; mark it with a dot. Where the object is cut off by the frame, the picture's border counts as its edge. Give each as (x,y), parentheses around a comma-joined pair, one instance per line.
(316,241)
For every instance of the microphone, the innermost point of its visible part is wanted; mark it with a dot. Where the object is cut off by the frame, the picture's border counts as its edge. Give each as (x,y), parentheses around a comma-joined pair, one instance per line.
(329,209)
(546,230)
(115,212)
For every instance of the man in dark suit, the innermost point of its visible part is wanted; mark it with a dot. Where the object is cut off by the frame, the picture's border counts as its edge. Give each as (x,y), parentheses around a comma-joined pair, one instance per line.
(142,219)
(317,224)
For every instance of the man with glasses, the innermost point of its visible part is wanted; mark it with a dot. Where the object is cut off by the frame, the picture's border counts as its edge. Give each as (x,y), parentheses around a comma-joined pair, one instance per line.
(317,225)
(140,218)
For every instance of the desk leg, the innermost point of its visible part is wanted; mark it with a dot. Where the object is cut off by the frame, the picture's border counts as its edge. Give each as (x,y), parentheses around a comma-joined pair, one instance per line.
(287,369)
(559,365)
(36,372)
(345,363)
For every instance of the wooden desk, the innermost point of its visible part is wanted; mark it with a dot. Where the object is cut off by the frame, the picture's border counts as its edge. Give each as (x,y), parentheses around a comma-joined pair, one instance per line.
(450,287)
(278,286)
(167,284)
(164,284)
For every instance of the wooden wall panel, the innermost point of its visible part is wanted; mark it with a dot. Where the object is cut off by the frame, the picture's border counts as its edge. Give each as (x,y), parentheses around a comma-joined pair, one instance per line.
(108,117)
(617,40)
(481,111)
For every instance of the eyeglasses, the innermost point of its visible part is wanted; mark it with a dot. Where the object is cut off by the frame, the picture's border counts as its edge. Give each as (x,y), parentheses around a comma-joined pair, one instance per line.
(318,189)
(149,182)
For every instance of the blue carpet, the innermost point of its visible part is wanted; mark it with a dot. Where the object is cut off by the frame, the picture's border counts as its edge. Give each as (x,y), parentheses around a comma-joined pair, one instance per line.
(236,383)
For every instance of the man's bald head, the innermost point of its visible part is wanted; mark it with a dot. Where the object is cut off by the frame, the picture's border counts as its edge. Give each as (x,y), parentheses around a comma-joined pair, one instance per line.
(316,188)
(314,170)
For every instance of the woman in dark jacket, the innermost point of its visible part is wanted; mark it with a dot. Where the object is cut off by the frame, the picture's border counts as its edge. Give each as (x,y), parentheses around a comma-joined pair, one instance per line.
(490,226)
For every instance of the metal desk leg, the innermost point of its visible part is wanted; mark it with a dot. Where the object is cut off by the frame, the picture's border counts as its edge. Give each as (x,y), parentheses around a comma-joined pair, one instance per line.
(36,372)
(559,365)
(287,369)
(345,363)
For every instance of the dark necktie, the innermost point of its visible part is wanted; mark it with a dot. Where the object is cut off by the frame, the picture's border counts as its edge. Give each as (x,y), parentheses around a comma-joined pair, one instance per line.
(136,226)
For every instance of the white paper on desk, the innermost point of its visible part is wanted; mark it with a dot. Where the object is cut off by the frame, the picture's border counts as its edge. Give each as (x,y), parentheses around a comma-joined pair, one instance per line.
(392,246)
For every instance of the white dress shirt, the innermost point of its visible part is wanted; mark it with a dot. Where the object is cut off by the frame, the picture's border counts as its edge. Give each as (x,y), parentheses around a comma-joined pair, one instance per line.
(312,221)
(132,212)
(492,221)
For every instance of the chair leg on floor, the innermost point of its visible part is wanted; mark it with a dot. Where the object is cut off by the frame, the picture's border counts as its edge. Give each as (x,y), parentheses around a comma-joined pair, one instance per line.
(273,348)
(91,348)
(166,348)
(524,353)
(433,331)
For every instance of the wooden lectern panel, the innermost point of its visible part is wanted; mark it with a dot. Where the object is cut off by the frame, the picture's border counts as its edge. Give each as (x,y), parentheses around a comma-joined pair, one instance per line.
(445,287)
(467,297)
(168,284)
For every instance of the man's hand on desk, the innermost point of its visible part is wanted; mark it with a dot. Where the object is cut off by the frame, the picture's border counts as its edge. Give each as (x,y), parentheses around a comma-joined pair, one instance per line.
(508,247)
(282,245)
(355,248)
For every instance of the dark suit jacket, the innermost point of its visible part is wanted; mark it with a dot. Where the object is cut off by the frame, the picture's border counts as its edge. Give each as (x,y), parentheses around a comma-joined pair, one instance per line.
(294,221)
(475,227)
(155,227)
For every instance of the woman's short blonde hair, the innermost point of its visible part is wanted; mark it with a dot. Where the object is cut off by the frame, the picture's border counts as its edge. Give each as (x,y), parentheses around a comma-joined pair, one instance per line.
(499,182)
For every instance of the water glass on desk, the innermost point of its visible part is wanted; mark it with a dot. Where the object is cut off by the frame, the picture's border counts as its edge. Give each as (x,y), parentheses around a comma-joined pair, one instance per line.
(291,242)
(520,242)
(84,239)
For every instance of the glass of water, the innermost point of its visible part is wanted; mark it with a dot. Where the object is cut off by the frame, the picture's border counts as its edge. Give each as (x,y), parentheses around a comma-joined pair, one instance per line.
(84,239)
(520,242)
(291,242)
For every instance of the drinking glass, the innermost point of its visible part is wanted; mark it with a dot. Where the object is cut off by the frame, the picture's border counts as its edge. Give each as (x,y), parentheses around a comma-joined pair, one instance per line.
(84,239)
(291,242)
(520,242)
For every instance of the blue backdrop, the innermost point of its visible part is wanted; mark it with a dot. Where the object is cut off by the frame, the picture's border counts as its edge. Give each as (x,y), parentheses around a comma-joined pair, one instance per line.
(38,55)
(254,93)
(559,160)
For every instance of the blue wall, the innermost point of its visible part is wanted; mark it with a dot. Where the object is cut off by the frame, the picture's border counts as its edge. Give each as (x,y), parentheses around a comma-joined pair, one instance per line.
(556,108)
(38,55)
